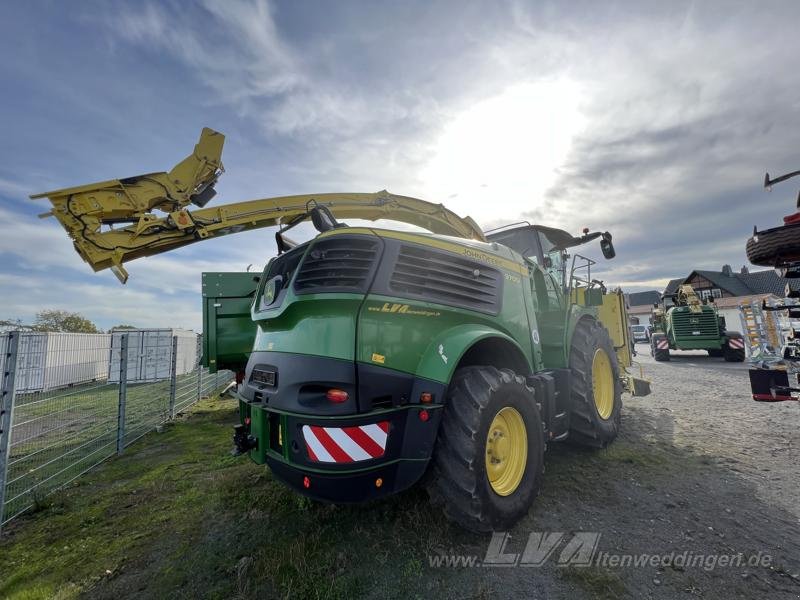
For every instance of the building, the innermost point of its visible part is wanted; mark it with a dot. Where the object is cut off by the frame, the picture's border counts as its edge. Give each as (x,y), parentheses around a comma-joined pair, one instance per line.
(640,306)
(730,291)
(727,284)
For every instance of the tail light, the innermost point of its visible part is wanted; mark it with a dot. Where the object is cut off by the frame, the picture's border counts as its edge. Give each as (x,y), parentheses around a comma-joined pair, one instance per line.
(337,396)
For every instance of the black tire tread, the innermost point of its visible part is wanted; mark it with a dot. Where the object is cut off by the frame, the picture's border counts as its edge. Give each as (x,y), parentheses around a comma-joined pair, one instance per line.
(589,334)
(773,245)
(454,475)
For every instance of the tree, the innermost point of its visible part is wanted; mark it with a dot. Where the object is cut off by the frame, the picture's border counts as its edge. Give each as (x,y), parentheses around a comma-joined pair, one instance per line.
(122,327)
(12,324)
(63,321)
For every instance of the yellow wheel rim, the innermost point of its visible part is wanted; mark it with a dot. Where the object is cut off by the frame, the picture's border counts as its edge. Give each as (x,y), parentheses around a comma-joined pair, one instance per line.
(506,451)
(602,384)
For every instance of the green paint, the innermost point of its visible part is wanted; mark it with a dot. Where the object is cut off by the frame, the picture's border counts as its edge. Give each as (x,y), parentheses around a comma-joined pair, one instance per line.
(228,331)
(688,330)
(423,338)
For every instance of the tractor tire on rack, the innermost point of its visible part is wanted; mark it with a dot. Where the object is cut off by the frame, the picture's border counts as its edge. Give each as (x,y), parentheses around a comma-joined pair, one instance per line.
(774,247)
(660,354)
(596,394)
(488,463)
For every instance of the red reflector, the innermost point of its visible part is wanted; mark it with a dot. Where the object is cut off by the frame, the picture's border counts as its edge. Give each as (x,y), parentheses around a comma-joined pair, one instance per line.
(247,421)
(337,395)
(426,397)
(424,415)
(306,482)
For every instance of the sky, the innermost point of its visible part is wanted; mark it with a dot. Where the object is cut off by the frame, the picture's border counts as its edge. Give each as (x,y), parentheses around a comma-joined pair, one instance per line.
(654,121)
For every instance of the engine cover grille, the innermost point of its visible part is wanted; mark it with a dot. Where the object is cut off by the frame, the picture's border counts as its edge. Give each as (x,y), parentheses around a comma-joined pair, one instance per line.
(446,279)
(339,264)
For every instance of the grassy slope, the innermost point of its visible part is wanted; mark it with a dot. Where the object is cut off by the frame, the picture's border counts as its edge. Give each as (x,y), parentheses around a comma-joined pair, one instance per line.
(177,515)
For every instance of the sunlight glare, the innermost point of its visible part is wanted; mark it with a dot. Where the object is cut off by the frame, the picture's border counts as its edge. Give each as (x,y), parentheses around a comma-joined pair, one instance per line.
(496,159)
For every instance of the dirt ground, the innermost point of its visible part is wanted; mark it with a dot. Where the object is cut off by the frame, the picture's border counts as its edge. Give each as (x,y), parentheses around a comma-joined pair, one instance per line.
(699,470)
(698,467)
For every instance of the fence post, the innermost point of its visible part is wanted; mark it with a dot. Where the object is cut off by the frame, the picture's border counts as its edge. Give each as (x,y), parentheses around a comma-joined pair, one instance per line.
(173,377)
(7,411)
(123,391)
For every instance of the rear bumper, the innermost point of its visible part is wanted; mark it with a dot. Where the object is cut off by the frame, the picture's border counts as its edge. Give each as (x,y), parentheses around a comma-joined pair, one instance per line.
(697,344)
(376,443)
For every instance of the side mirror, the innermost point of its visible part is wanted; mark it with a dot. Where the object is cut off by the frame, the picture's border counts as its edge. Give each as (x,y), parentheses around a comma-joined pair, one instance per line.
(607,247)
(323,219)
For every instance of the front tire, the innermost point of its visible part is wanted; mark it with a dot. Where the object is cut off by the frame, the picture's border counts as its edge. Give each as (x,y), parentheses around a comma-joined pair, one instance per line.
(489,459)
(596,396)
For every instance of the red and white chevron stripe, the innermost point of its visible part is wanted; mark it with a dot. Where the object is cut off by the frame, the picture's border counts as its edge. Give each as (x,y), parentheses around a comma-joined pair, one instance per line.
(662,344)
(736,343)
(346,444)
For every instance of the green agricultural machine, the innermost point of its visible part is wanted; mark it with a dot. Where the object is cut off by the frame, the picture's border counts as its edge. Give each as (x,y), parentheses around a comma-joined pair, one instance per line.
(690,324)
(368,359)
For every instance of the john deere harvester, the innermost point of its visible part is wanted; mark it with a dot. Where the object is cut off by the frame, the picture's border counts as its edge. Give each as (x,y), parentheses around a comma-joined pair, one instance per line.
(690,324)
(369,357)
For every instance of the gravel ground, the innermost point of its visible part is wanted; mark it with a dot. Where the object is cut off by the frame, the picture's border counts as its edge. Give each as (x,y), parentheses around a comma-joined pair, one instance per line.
(699,471)
(699,467)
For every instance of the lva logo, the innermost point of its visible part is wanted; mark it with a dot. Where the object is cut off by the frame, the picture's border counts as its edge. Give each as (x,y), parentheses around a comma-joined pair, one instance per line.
(576,550)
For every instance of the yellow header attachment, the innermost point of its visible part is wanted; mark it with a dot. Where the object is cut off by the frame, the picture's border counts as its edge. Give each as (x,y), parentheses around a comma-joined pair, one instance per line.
(687,297)
(113,222)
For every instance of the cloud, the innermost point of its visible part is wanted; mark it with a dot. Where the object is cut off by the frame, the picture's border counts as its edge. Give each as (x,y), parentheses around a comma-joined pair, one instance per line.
(684,106)
(106,304)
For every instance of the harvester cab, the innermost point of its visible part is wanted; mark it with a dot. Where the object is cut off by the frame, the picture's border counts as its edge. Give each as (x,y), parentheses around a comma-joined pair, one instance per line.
(367,357)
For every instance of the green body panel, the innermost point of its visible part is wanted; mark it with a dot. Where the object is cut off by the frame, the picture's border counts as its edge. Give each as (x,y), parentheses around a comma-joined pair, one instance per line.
(686,330)
(259,429)
(422,338)
(429,346)
(316,324)
(228,331)
(406,335)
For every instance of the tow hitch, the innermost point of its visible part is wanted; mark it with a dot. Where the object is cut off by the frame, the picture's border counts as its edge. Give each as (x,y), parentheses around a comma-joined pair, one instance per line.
(243,442)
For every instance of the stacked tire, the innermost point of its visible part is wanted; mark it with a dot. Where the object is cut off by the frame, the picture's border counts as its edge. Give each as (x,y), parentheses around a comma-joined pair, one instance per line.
(775,247)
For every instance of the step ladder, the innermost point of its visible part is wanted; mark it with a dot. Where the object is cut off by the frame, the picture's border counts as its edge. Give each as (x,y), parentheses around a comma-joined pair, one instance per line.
(761,329)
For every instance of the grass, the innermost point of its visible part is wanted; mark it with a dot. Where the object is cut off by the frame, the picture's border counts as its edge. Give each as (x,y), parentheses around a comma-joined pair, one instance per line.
(599,583)
(177,516)
(57,435)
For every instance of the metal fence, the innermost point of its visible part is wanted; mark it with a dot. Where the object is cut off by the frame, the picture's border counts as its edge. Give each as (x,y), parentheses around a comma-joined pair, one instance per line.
(90,402)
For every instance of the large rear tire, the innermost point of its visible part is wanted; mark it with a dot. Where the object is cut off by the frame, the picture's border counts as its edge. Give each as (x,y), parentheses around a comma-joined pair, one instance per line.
(774,247)
(489,458)
(596,395)
(661,354)
(732,354)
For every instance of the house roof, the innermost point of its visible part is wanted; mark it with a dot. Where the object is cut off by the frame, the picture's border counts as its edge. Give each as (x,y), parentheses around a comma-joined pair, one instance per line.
(740,284)
(644,298)
(768,282)
(672,286)
(731,282)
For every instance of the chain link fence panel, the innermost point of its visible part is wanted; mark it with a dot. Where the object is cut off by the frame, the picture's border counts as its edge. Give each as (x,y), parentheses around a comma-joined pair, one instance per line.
(70,401)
